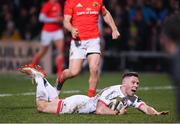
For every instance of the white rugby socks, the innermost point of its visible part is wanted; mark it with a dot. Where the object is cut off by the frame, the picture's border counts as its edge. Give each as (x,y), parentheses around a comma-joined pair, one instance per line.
(41,92)
(44,90)
(52,94)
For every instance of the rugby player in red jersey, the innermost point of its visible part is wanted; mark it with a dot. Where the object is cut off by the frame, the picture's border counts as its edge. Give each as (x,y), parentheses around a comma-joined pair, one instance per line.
(51,17)
(81,19)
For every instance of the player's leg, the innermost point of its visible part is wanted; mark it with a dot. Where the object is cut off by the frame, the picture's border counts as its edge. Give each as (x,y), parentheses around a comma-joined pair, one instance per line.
(93,56)
(77,55)
(39,55)
(44,88)
(75,66)
(45,42)
(46,97)
(52,94)
(59,43)
(48,106)
(94,63)
(41,92)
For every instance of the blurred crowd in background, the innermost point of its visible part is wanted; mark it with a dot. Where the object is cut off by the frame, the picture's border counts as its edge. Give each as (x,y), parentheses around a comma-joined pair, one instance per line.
(138,21)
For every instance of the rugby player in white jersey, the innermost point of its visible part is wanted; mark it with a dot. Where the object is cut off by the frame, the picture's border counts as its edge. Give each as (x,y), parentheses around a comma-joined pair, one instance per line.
(47,98)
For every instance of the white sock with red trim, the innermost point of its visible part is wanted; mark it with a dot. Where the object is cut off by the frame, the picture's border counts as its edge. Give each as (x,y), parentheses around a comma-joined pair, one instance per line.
(41,92)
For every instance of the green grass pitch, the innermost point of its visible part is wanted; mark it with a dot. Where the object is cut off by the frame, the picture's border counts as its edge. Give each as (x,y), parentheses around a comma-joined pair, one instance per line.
(18,107)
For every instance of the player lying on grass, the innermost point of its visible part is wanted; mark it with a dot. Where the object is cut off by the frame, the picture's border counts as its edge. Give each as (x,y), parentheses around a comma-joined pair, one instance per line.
(113,100)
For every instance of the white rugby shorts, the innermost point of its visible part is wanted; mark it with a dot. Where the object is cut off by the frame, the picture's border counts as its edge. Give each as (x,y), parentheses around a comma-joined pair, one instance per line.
(48,37)
(80,49)
(76,104)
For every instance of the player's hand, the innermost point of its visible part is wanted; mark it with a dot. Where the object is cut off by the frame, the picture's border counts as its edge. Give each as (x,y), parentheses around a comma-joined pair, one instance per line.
(74,33)
(115,34)
(163,113)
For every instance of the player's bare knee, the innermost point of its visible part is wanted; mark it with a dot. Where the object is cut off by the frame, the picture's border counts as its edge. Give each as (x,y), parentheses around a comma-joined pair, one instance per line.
(94,70)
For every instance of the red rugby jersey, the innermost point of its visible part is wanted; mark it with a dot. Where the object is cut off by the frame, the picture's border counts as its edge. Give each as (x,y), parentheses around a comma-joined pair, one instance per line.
(85,16)
(51,10)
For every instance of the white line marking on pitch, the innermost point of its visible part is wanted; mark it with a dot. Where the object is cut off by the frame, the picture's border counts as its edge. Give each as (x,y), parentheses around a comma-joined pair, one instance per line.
(78,91)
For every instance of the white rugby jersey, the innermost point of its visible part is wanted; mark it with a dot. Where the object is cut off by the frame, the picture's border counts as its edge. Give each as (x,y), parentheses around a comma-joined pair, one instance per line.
(109,93)
(84,104)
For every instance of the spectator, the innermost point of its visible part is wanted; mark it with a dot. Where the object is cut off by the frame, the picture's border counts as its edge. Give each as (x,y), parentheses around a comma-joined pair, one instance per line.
(10,33)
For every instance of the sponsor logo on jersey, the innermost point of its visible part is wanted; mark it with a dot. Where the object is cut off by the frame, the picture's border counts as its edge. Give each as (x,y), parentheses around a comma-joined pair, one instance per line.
(79,5)
(95,4)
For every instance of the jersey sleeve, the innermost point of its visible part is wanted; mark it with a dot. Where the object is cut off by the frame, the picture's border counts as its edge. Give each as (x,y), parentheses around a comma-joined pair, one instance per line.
(68,8)
(103,9)
(137,102)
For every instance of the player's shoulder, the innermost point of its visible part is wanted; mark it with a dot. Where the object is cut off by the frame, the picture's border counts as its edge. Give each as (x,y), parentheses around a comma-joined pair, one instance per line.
(111,89)
(115,87)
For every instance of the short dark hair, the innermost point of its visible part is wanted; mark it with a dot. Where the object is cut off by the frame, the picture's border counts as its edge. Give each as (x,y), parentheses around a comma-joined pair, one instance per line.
(171,27)
(129,74)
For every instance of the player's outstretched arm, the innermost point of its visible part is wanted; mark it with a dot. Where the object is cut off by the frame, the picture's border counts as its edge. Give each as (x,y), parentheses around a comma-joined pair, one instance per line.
(109,20)
(151,111)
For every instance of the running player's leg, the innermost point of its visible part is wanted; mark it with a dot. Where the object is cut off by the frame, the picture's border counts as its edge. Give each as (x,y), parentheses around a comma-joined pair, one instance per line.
(46,39)
(93,56)
(94,63)
(75,66)
(39,55)
(77,56)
